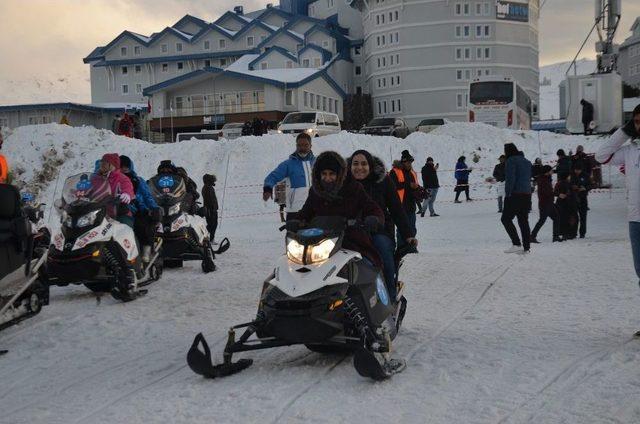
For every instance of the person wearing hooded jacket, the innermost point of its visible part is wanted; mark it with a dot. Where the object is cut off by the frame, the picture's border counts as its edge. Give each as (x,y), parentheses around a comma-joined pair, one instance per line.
(369,171)
(431,184)
(210,203)
(545,204)
(614,152)
(144,208)
(517,200)
(120,186)
(462,179)
(297,172)
(333,194)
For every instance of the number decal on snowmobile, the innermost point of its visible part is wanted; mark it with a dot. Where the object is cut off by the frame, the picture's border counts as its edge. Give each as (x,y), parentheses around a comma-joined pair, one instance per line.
(106,229)
(86,239)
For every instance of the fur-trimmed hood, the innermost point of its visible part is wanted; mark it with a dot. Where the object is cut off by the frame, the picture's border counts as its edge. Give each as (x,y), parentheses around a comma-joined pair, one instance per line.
(316,185)
(378,171)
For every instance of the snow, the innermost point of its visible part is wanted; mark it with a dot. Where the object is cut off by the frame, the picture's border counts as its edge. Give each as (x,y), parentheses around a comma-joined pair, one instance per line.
(141,37)
(550,94)
(286,75)
(488,337)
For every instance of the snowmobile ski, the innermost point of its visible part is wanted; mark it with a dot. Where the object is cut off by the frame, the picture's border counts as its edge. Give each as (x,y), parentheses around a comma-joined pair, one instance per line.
(200,361)
(374,365)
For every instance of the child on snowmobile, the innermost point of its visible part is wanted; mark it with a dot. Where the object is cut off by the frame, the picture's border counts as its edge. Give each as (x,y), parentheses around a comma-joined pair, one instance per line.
(333,194)
(369,171)
(144,208)
(120,185)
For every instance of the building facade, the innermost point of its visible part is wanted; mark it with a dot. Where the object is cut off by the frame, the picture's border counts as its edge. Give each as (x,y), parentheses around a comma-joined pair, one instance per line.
(414,58)
(629,57)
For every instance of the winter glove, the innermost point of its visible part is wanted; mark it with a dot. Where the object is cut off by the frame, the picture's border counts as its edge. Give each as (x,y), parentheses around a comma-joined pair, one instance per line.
(125,198)
(630,129)
(371,223)
(155,215)
(266,193)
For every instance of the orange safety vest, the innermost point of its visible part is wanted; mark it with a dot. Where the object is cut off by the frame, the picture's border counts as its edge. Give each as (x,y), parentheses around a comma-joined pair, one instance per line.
(400,176)
(4,169)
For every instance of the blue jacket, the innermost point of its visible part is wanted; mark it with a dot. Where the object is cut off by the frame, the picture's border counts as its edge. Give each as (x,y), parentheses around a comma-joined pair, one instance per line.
(517,175)
(144,201)
(298,172)
(462,172)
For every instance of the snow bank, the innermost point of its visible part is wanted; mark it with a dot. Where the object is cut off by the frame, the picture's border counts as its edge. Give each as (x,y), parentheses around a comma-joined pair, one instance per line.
(43,155)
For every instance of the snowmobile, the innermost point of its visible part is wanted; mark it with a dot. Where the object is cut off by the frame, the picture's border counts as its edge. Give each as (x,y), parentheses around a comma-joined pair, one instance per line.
(95,250)
(22,295)
(35,213)
(185,235)
(323,296)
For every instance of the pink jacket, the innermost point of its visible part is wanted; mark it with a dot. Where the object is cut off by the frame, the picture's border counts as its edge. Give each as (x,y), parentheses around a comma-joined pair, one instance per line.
(120,183)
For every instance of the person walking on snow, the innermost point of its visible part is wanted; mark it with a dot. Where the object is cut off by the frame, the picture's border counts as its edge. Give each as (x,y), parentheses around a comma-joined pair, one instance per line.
(587,116)
(462,179)
(431,184)
(210,203)
(517,202)
(406,182)
(580,185)
(614,152)
(545,205)
(498,174)
(298,173)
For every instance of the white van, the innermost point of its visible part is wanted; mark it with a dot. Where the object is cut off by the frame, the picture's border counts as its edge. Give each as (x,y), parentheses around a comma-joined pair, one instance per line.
(315,124)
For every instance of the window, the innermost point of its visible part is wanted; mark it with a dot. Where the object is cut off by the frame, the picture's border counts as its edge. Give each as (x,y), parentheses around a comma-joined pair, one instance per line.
(466,9)
(399,105)
(358,91)
(306,99)
(138,88)
(379,63)
(377,19)
(378,41)
(459,100)
(207,63)
(288,98)
(223,62)
(382,18)
(384,39)
(125,70)
(467,31)
(138,69)
(207,45)
(459,74)
(179,102)
(467,74)
(125,89)
(478,53)
(487,9)
(306,63)
(358,70)
(325,44)
(487,71)
(123,51)
(324,103)
(458,53)
(396,14)
(222,43)
(180,66)
(458,9)
(335,106)
(330,107)
(317,62)
(397,58)
(312,100)
(288,64)
(165,67)
(487,53)
(250,41)
(262,38)
(178,47)
(164,48)
(379,108)
(137,50)
(487,31)
(45,120)
(467,53)
(33,120)
(458,31)
(357,51)
(263,65)
(478,9)
(391,58)
(478,31)
(384,61)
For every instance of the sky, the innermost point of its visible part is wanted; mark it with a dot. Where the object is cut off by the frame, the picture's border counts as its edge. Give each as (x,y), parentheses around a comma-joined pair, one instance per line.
(44,38)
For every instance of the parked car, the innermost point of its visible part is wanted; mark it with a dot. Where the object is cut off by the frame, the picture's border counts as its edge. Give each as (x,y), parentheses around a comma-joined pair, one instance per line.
(231,130)
(430,124)
(202,135)
(395,127)
(315,124)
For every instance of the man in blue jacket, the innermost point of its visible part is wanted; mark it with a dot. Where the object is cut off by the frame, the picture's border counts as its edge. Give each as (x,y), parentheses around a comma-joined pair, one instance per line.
(517,202)
(298,173)
(144,208)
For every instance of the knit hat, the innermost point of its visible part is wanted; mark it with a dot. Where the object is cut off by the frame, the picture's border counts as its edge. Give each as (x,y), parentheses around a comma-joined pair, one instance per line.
(510,149)
(113,159)
(167,164)
(429,159)
(125,162)
(327,162)
(406,156)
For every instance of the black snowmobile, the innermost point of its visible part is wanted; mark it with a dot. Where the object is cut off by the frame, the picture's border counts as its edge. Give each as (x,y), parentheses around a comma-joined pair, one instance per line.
(95,250)
(320,295)
(185,235)
(22,295)
(41,234)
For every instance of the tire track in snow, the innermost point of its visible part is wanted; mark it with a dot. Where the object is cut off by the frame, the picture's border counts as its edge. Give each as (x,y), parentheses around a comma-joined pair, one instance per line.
(565,374)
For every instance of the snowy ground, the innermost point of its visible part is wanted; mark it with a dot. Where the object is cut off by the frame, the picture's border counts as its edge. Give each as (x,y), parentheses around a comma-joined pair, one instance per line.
(488,337)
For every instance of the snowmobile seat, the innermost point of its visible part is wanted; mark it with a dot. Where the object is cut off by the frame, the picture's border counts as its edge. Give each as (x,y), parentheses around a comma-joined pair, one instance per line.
(14,231)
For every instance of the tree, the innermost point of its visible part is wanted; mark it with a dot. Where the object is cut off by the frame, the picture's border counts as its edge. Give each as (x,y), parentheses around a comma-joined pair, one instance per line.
(630,90)
(358,110)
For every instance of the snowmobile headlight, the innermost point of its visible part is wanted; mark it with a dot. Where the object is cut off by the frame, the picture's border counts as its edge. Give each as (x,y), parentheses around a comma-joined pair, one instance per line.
(87,219)
(322,251)
(295,251)
(175,209)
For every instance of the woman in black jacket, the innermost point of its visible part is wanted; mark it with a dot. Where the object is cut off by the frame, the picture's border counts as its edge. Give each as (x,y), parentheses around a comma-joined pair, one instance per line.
(369,171)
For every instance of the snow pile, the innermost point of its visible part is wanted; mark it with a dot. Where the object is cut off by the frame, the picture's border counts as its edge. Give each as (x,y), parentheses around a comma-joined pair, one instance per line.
(41,156)
(552,76)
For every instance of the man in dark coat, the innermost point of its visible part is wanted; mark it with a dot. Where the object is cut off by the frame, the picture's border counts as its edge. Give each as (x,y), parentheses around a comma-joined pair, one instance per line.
(517,203)
(563,167)
(406,181)
(210,203)
(545,205)
(566,205)
(332,194)
(498,174)
(583,160)
(580,185)
(587,116)
(431,184)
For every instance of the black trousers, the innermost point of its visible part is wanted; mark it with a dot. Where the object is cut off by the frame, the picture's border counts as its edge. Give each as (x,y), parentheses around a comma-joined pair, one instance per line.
(582,217)
(547,211)
(587,130)
(517,206)
(145,229)
(463,186)
(212,224)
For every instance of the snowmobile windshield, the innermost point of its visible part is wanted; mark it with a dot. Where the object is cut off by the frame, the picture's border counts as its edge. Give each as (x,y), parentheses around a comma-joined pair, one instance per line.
(85,188)
(168,188)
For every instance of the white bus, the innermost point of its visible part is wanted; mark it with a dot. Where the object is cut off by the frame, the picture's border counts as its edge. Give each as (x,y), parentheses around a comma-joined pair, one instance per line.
(499,101)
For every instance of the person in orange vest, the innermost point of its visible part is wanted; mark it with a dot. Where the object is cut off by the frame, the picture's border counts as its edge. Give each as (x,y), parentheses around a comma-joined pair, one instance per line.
(4,167)
(406,182)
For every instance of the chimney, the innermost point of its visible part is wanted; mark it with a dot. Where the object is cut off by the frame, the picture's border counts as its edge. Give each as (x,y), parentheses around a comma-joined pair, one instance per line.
(239,10)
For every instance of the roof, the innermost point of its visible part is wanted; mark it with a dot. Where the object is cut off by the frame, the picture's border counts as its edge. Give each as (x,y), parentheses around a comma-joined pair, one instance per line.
(270,51)
(326,54)
(97,108)
(163,59)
